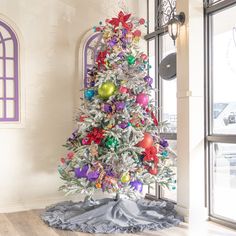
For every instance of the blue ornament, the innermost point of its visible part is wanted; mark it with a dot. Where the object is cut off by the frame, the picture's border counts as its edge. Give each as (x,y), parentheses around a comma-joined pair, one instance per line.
(88,94)
(164,153)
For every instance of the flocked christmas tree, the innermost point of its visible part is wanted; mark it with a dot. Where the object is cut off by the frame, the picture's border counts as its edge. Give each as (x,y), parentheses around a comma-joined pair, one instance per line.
(116,146)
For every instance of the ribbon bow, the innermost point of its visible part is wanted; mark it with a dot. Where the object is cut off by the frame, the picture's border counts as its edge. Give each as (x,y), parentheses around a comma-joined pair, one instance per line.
(122,18)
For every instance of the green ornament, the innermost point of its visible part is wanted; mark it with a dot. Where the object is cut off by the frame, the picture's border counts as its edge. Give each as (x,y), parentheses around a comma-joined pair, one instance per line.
(106,90)
(111,142)
(131,60)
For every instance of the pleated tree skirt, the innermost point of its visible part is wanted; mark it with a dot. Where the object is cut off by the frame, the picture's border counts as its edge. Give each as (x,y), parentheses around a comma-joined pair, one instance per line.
(112,215)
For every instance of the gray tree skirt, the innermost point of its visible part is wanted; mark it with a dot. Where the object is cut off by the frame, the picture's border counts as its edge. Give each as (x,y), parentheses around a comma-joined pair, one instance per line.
(112,215)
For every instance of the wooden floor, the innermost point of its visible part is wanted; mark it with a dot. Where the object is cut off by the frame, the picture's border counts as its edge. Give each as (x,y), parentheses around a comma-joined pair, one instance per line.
(28,223)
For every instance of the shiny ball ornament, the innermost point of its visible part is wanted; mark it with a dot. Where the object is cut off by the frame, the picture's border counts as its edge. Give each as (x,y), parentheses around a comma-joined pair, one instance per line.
(147,141)
(142,99)
(123,89)
(106,90)
(131,60)
(144,57)
(137,185)
(137,33)
(89,94)
(153,171)
(125,178)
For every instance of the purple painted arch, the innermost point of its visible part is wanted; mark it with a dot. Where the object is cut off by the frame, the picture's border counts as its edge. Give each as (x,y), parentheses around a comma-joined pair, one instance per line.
(9,81)
(91,48)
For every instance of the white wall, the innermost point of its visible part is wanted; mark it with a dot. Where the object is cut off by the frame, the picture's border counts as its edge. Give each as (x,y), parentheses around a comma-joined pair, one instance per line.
(49,33)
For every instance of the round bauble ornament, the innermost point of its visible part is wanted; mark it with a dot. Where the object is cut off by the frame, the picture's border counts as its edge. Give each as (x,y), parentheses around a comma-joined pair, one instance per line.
(106,90)
(148,80)
(137,185)
(131,59)
(89,94)
(123,89)
(141,21)
(153,171)
(144,57)
(147,141)
(142,99)
(123,125)
(137,33)
(125,178)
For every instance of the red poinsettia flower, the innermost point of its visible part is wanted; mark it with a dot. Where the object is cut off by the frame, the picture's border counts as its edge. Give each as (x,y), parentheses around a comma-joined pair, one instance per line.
(101,58)
(96,135)
(150,155)
(122,18)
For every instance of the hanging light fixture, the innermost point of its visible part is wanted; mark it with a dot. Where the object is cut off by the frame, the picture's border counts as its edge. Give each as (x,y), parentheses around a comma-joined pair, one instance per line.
(174,25)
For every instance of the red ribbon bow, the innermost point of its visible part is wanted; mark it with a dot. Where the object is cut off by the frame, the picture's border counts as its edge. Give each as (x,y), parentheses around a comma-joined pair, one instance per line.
(150,155)
(122,18)
(96,135)
(101,58)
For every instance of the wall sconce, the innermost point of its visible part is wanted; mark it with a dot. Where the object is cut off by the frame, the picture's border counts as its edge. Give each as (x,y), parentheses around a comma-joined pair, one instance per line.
(174,25)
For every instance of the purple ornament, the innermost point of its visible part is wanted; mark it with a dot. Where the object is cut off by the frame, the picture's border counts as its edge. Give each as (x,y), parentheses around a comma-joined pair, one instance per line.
(73,136)
(107,108)
(124,32)
(123,125)
(164,143)
(93,175)
(148,80)
(137,185)
(113,42)
(120,106)
(81,173)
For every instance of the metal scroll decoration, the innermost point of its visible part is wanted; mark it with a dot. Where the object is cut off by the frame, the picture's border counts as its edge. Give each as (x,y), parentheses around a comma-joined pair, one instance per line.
(166,10)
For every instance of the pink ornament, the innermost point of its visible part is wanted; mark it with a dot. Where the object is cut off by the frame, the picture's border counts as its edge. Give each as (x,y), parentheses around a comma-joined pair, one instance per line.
(84,141)
(123,89)
(144,57)
(137,33)
(141,21)
(70,155)
(142,99)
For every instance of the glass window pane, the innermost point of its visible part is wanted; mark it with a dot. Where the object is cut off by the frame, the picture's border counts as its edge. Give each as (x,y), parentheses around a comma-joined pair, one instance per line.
(224,180)
(1,108)
(169,88)
(152,61)
(151,12)
(1,50)
(10,109)
(171,193)
(9,68)
(9,48)
(1,88)
(5,34)
(9,88)
(1,68)
(224,72)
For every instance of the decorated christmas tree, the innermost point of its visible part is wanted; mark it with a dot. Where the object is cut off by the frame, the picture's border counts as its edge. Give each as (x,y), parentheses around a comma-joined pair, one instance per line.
(116,146)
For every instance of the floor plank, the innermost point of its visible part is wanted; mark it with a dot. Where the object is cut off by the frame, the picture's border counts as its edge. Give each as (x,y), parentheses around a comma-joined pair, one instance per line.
(29,223)
(6,227)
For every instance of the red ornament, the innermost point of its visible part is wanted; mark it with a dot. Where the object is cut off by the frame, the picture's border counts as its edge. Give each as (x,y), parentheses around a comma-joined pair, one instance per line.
(147,141)
(81,119)
(153,171)
(144,57)
(70,155)
(155,121)
(137,33)
(122,18)
(63,160)
(123,89)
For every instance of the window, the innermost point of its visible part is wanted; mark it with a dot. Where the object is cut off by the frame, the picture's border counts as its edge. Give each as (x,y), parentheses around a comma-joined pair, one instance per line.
(159,46)
(9,94)
(91,49)
(221,108)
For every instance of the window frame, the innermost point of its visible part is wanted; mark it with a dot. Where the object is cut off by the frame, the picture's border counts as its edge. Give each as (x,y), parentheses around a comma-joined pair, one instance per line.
(16,98)
(156,35)
(211,8)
